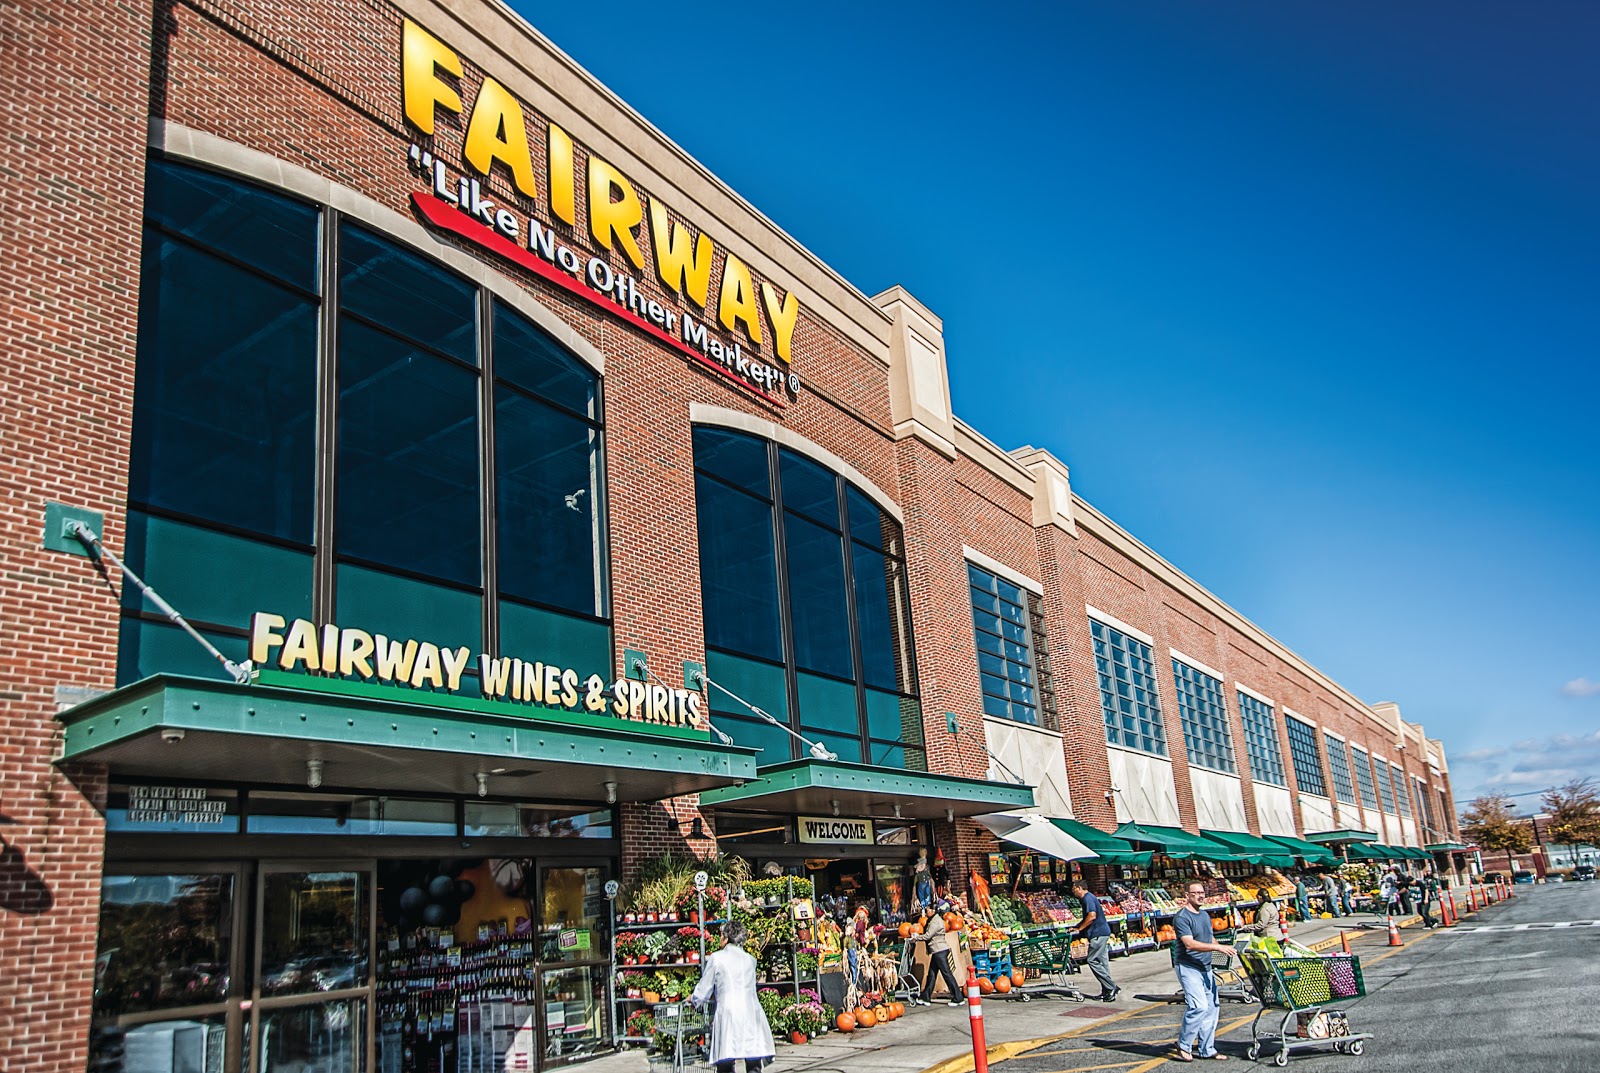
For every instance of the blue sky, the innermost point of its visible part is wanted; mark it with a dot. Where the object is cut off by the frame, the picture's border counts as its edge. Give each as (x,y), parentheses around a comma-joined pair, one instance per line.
(1305,294)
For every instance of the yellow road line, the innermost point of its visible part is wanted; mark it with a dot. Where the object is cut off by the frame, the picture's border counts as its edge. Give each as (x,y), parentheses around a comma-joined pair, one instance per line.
(1112,1065)
(999,1052)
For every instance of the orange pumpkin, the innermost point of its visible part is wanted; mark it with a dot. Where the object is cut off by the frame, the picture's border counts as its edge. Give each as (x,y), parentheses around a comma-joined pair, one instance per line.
(905,931)
(1018,977)
(916,929)
(985,986)
(886,1012)
(899,1009)
(1002,984)
(845,1022)
(865,1017)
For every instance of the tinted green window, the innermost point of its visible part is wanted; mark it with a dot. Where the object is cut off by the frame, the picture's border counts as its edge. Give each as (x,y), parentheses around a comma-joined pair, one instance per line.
(738,570)
(407,457)
(224,425)
(818,606)
(533,633)
(762,684)
(267,231)
(548,504)
(146,648)
(215,577)
(399,607)
(739,460)
(407,294)
(829,708)
(809,489)
(527,358)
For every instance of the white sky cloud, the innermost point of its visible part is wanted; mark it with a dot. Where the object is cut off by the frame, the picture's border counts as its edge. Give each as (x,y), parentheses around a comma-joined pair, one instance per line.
(1581,687)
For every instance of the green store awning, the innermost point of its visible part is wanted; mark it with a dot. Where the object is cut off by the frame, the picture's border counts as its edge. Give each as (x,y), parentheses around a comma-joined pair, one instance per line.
(1179,844)
(1309,852)
(1259,850)
(811,787)
(1416,854)
(1358,851)
(1108,848)
(206,730)
(1447,847)
(1346,835)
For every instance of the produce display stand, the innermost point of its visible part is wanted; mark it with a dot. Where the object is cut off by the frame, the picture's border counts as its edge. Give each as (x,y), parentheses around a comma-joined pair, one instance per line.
(1299,986)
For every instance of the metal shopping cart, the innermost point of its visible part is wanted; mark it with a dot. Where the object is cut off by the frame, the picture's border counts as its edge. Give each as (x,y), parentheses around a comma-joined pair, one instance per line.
(1303,987)
(1048,956)
(688,1026)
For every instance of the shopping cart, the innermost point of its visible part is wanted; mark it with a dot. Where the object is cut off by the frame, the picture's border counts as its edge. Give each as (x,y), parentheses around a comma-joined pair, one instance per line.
(687,1026)
(1233,984)
(1302,987)
(1048,956)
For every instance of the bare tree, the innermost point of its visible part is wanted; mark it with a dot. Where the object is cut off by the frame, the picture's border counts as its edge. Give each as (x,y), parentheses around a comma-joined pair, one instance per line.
(1574,814)
(1489,821)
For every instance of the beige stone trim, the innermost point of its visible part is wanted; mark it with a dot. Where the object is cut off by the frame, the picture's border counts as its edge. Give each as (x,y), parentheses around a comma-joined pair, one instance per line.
(1197,665)
(1001,570)
(195,146)
(703,414)
(972,444)
(1262,697)
(1117,624)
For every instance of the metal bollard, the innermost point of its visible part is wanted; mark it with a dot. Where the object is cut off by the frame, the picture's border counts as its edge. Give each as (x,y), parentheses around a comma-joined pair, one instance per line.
(980,1048)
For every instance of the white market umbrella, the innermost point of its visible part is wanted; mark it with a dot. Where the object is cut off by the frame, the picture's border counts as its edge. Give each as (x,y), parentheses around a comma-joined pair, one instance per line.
(1037,833)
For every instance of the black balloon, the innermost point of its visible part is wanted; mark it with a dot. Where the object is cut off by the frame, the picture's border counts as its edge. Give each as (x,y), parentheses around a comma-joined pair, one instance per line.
(412,900)
(465,889)
(436,915)
(442,888)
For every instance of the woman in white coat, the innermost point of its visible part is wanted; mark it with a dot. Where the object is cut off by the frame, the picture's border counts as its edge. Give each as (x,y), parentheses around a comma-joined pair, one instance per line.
(739,1029)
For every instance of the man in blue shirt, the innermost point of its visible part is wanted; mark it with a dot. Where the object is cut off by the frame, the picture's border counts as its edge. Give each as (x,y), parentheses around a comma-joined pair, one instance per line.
(1196,944)
(1095,928)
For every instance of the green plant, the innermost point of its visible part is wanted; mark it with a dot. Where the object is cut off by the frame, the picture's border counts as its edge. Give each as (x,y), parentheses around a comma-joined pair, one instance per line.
(772,1003)
(654,944)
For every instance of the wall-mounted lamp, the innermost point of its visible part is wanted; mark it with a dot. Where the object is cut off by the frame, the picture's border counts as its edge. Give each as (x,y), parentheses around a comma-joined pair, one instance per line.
(483,783)
(313,773)
(697,829)
(897,811)
(172,735)
(949,815)
(611,793)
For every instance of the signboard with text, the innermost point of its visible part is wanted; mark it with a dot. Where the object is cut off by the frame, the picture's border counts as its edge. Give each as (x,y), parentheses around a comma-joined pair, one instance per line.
(827,829)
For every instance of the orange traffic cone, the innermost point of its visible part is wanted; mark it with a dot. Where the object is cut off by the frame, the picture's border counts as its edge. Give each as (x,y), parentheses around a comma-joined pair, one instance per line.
(1344,942)
(1394,934)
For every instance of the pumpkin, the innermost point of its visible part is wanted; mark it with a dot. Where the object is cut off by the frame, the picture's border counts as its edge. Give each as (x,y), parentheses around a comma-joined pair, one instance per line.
(845,1022)
(886,1012)
(905,931)
(899,1009)
(985,986)
(916,929)
(865,1017)
(1018,977)
(1002,984)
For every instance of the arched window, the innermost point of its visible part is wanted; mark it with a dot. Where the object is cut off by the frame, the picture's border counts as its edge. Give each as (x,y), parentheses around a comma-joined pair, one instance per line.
(807,616)
(328,424)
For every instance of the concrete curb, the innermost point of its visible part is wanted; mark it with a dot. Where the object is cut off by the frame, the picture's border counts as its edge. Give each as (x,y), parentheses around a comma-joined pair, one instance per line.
(965,1063)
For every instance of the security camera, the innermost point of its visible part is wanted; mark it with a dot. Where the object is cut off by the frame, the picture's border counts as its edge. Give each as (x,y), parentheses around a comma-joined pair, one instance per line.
(172,735)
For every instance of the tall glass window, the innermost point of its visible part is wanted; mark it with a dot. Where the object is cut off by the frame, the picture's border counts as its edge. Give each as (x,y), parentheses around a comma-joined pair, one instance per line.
(1001,626)
(1339,768)
(1385,788)
(1205,718)
(1127,690)
(1303,751)
(1402,800)
(1261,741)
(1430,818)
(807,613)
(1363,771)
(254,366)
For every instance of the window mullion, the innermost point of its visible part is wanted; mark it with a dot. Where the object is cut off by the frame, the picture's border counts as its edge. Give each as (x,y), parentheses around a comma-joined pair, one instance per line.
(324,561)
(786,615)
(853,617)
(488,476)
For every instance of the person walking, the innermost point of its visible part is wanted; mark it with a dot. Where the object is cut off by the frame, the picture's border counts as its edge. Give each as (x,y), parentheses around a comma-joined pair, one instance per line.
(1097,930)
(1389,893)
(739,1028)
(1302,903)
(1427,894)
(1198,1033)
(940,946)
(1269,919)
(1407,886)
(1330,891)
(1348,893)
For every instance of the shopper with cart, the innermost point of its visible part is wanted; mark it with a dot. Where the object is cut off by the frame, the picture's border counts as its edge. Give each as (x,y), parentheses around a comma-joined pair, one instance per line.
(1193,961)
(1095,928)
(739,1029)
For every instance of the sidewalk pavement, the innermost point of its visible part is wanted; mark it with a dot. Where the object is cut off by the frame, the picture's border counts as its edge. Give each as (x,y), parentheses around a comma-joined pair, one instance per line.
(938,1039)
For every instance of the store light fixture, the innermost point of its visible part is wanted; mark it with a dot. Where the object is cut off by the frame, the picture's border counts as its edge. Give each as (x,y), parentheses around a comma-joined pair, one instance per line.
(897,811)
(949,815)
(483,783)
(611,793)
(313,773)
(835,806)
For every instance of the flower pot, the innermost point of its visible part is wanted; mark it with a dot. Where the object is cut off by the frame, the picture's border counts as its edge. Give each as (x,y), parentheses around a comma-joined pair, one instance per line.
(652,997)
(694,916)
(629,918)
(694,957)
(797,1038)
(649,918)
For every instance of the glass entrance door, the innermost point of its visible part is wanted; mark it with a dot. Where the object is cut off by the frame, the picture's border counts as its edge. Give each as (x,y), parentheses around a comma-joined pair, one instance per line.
(574,952)
(312,1001)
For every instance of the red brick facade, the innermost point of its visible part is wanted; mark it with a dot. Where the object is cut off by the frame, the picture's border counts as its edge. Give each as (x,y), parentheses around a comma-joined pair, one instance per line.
(318,88)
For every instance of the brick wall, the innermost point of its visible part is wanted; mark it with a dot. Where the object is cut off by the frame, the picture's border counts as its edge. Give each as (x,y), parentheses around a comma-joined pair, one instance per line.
(73,76)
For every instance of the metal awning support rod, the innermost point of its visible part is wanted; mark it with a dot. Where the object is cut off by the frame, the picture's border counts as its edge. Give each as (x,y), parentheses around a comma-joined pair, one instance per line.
(97,549)
(818,750)
(641,665)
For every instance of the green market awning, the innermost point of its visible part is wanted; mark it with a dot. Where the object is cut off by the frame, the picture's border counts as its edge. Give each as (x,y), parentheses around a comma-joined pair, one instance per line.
(1325,838)
(1416,854)
(1447,847)
(204,730)
(1108,848)
(1309,852)
(1179,844)
(1259,850)
(812,787)
(1358,851)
